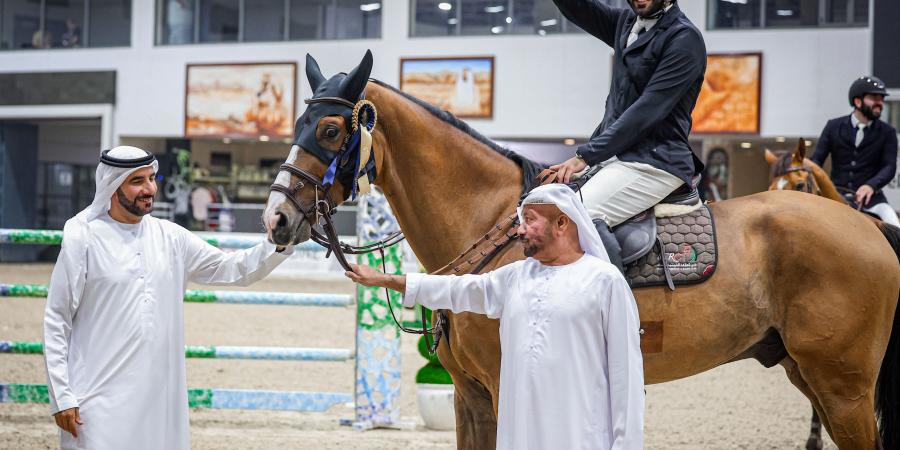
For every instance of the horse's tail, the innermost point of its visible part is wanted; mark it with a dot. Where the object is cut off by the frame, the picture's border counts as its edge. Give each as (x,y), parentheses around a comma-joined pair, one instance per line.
(887,391)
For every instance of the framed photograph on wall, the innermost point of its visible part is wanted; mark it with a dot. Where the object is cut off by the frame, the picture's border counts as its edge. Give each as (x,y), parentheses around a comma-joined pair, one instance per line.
(729,100)
(463,86)
(254,100)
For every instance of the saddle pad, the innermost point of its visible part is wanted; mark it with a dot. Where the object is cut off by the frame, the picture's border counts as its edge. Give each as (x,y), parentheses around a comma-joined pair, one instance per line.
(689,243)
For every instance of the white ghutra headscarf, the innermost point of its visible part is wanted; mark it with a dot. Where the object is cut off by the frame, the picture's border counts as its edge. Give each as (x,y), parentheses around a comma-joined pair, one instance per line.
(568,202)
(115,167)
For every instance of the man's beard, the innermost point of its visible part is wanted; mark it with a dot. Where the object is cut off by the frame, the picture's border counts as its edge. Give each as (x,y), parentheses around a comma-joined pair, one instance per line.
(533,247)
(133,207)
(867,111)
(653,12)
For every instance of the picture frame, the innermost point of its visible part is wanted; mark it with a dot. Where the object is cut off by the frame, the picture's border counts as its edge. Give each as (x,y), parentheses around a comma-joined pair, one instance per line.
(731,96)
(242,100)
(462,85)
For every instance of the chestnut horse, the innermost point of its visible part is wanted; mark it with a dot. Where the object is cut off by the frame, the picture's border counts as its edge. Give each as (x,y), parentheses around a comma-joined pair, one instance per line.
(793,273)
(794,171)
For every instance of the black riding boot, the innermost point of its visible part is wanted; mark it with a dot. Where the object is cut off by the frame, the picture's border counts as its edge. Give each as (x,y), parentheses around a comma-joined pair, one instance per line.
(611,243)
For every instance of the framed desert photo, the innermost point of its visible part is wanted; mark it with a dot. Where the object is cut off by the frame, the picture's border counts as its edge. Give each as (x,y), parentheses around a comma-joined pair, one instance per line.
(240,100)
(729,98)
(463,86)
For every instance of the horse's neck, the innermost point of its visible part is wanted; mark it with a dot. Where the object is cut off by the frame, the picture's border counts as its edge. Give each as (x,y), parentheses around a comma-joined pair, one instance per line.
(445,187)
(826,186)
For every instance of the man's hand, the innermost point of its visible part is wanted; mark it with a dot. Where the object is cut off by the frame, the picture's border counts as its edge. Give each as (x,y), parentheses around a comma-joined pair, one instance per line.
(570,167)
(368,276)
(68,420)
(864,194)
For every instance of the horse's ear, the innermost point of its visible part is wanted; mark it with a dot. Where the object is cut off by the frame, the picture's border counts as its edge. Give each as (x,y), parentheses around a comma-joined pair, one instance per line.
(353,85)
(770,157)
(800,153)
(313,73)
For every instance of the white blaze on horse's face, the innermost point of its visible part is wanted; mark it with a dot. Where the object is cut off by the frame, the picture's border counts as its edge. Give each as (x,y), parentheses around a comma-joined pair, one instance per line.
(782,182)
(277,199)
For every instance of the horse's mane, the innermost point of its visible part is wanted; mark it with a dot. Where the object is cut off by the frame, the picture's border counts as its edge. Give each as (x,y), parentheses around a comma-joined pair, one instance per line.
(530,169)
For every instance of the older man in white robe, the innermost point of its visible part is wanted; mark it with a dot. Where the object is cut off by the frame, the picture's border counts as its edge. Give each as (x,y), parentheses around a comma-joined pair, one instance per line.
(571,372)
(114,324)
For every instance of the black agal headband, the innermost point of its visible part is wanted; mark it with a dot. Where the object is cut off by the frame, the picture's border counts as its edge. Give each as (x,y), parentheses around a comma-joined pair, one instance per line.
(126,163)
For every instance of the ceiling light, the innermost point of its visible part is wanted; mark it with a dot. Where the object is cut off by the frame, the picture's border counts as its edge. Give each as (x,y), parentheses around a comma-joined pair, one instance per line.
(444,6)
(542,32)
(780,139)
(226,141)
(569,141)
(746,145)
(452,21)
(508,19)
(264,138)
(784,12)
(548,23)
(808,143)
(496,30)
(494,9)
(369,7)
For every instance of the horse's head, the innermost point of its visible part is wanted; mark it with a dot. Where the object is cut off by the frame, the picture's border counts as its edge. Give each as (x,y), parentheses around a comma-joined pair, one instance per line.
(792,171)
(303,190)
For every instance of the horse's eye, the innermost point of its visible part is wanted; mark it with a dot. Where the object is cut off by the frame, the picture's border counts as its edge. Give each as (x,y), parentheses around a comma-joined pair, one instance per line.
(799,186)
(331,132)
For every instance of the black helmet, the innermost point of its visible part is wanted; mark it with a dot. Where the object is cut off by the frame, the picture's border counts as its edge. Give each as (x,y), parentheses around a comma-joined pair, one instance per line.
(866,85)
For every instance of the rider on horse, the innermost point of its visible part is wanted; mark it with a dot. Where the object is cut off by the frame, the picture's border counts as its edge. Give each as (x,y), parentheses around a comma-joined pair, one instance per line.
(642,143)
(863,149)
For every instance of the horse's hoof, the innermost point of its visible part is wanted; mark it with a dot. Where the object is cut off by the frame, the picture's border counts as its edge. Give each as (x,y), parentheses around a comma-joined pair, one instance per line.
(814,444)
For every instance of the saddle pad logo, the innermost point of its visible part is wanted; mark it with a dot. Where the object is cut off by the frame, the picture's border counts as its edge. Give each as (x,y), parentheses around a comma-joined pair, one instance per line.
(686,259)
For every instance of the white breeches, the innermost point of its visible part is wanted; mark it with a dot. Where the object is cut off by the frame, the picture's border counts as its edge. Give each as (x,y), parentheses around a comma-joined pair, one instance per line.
(622,190)
(885,212)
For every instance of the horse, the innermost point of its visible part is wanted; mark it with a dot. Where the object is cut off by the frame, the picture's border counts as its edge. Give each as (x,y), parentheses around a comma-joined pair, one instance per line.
(794,171)
(785,276)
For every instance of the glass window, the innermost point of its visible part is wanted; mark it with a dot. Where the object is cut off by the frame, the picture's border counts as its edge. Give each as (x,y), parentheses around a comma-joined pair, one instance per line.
(308,19)
(484,17)
(731,14)
(792,13)
(20,24)
(63,23)
(263,20)
(175,22)
(836,11)
(219,20)
(861,12)
(109,23)
(357,19)
(434,17)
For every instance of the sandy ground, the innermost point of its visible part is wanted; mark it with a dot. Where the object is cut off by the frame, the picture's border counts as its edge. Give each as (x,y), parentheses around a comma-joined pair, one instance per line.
(738,406)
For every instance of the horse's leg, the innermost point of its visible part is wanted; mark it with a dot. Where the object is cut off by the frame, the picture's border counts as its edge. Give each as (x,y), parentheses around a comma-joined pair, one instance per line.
(476,424)
(815,432)
(845,391)
(814,442)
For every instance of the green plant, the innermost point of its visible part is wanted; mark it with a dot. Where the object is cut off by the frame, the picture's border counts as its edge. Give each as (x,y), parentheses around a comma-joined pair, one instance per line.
(433,372)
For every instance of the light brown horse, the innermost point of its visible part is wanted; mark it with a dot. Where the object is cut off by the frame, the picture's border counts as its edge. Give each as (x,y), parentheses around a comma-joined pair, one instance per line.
(795,273)
(794,171)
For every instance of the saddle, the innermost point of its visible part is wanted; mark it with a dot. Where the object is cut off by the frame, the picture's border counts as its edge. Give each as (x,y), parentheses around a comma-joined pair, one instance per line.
(670,244)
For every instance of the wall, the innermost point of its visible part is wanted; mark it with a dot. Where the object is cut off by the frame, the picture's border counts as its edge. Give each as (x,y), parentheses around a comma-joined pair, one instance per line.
(545,87)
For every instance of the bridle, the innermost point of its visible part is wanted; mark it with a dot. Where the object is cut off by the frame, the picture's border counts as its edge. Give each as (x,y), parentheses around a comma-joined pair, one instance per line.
(321,212)
(809,186)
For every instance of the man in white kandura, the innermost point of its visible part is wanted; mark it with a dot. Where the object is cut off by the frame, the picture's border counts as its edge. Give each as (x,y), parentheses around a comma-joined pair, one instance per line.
(571,373)
(114,324)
